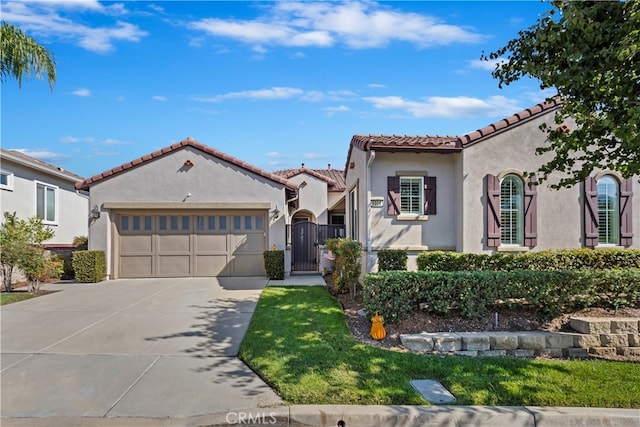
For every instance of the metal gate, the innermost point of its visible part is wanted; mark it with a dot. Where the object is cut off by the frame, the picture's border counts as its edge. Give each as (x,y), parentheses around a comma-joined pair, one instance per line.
(305,246)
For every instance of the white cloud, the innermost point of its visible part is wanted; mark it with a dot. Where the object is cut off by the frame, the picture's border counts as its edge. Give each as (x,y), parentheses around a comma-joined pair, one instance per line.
(260,94)
(46,20)
(112,141)
(376,86)
(76,140)
(42,154)
(159,98)
(314,156)
(489,65)
(437,106)
(83,91)
(275,155)
(357,25)
(339,109)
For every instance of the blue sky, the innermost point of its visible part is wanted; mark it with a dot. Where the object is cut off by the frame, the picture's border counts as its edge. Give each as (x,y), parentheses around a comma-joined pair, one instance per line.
(275,84)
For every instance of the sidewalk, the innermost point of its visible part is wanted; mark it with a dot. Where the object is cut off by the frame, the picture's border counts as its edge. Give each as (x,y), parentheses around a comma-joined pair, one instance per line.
(368,416)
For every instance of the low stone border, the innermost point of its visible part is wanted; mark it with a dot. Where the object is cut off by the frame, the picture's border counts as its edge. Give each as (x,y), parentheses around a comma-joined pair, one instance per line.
(597,336)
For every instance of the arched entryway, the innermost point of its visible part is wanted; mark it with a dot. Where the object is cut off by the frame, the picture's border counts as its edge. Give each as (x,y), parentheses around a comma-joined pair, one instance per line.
(304,242)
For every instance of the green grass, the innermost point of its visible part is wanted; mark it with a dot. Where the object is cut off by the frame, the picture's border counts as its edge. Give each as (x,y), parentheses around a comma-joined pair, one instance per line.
(11,297)
(299,343)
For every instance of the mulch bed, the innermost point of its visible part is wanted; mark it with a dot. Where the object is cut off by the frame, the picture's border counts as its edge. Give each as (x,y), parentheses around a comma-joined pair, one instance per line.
(510,320)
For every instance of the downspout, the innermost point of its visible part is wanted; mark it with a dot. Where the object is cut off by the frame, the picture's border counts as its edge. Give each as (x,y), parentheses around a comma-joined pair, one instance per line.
(372,157)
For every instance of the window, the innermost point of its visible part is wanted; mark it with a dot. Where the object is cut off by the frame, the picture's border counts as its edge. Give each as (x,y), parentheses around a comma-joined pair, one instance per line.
(46,202)
(411,196)
(411,191)
(511,210)
(353,206)
(608,216)
(6,180)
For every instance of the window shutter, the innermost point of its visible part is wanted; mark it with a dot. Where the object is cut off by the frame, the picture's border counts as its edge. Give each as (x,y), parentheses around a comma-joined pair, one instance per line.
(531,212)
(393,195)
(430,195)
(626,219)
(590,212)
(493,210)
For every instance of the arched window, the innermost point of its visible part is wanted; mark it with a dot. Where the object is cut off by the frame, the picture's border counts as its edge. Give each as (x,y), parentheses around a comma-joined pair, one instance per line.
(511,210)
(608,211)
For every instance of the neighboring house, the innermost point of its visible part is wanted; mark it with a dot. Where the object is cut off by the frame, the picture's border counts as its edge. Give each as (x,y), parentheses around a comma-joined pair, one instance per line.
(188,210)
(319,215)
(470,194)
(29,187)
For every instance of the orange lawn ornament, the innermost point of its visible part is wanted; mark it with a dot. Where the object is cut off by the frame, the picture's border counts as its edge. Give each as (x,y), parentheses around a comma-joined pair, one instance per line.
(377,330)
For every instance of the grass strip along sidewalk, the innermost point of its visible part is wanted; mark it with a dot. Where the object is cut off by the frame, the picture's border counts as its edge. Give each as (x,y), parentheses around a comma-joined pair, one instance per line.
(299,343)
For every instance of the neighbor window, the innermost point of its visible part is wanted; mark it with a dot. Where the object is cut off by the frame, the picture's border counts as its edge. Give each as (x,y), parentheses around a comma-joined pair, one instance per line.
(608,211)
(511,210)
(411,192)
(46,198)
(6,180)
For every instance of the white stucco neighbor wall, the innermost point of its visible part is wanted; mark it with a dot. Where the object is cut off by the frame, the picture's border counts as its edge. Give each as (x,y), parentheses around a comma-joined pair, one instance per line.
(313,196)
(165,179)
(72,214)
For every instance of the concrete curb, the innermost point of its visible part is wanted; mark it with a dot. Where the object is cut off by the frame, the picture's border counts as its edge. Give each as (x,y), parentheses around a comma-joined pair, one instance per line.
(368,415)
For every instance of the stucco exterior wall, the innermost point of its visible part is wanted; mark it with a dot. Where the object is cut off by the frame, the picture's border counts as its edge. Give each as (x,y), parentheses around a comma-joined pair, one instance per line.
(559,215)
(356,178)
(313,196)
(72,206)
(166,179)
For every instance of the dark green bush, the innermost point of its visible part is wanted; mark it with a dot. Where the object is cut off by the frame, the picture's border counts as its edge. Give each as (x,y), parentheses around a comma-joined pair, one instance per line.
(274,264)
(89,266)
(566,259)
(473,294)
(392,259)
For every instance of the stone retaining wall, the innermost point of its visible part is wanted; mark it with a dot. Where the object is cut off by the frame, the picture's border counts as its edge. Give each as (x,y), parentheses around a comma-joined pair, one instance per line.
(598,336)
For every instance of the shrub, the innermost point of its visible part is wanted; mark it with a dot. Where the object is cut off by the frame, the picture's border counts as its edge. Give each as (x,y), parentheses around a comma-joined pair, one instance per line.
(90,266)
(392,259)
(566,259)
(396,295)
(274,264)
(347,262)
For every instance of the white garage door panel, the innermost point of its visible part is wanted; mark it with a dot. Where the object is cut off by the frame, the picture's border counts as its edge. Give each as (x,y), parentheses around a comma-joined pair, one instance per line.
(191,244)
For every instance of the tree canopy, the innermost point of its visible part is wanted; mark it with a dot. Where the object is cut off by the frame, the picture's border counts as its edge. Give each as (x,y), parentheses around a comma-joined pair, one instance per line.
(21,56)
(590,53)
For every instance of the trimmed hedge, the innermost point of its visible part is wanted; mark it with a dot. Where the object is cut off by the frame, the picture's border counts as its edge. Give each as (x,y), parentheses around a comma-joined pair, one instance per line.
(392,259)
(566,259)
(90,266)
(274,264)
(396,295)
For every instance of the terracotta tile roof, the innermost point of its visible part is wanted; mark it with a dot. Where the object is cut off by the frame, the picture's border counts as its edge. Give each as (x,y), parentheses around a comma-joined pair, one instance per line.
(26,160)
(405,142)
(510,121)
(333,177)
(189,142)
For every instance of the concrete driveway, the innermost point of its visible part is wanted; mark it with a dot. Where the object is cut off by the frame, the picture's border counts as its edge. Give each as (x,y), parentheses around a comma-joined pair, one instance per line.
(131,348)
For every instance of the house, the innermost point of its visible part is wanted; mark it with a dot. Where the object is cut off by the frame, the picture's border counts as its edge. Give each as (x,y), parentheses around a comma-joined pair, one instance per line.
(191,210)
(318,217)
(470,194)
(29,187)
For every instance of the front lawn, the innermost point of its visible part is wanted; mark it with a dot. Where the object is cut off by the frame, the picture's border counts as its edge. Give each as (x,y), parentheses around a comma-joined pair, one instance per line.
(299,343)
(11,297)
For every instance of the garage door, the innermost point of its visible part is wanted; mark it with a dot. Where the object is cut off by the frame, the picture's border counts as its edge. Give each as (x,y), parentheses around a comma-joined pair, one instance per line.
(191,244)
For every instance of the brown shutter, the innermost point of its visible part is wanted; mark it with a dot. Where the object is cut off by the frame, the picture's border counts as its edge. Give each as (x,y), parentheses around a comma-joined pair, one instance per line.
(530,212)
(393,195)
(430,195)
(493,210)
(626,219)
(590,212)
